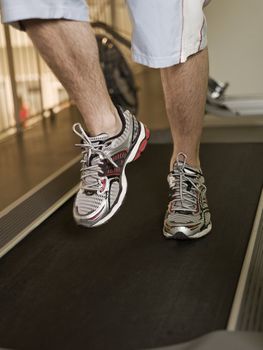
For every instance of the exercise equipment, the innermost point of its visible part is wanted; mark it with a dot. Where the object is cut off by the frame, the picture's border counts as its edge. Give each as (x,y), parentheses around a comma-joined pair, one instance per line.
(219,103)
(118,75)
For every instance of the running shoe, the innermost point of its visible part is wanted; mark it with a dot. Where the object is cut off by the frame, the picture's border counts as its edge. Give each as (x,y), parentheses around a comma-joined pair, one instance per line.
(103,183)
(188,215)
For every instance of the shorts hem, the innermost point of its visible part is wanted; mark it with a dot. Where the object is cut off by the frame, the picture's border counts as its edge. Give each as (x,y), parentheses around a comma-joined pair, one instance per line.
(13,15)
(164,62)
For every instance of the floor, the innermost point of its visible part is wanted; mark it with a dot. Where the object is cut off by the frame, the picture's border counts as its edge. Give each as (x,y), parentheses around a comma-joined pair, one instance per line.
(29,158)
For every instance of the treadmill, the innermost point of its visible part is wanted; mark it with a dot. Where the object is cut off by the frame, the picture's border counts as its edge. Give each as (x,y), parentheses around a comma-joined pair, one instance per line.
(123,285)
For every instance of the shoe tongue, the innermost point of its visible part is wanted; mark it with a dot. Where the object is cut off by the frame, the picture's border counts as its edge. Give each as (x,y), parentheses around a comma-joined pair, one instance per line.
(97,141)
(192,171)
(188,186)
(188,169)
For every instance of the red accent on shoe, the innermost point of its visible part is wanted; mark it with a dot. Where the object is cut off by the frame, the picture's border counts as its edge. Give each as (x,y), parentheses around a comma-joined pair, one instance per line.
(119,156)
(103,183)
(97,215)
(143,144)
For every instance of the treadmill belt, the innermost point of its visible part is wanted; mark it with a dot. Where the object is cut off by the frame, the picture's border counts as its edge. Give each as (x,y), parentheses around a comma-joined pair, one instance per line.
(123,286)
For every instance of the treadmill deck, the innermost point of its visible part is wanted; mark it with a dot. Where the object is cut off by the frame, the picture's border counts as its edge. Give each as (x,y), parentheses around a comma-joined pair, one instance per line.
(122,285)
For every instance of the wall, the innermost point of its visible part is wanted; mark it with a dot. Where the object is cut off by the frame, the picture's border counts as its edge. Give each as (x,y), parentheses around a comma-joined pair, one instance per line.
(235,30)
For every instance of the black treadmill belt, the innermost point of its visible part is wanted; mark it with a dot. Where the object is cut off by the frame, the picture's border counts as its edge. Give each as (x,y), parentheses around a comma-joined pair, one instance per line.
(123,286)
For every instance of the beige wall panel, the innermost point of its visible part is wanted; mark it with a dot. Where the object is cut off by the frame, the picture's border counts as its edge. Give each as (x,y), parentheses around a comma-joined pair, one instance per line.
(235,32)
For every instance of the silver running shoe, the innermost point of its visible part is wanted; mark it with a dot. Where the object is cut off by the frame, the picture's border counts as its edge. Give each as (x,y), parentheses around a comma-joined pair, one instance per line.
(103,181)
(188,215)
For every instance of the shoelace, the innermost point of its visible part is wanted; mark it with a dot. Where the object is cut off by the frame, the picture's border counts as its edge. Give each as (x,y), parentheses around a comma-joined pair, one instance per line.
(91,179)
(185,187)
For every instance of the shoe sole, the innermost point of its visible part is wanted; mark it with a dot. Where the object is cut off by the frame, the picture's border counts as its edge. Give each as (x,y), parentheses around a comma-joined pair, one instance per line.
(182,237)
(135,153)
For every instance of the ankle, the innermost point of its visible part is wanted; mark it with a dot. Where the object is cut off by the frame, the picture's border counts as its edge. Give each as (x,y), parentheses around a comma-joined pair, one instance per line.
(115,127)
(110,124)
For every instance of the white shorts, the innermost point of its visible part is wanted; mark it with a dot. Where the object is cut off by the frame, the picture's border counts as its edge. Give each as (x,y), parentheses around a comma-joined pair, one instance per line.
(165,32)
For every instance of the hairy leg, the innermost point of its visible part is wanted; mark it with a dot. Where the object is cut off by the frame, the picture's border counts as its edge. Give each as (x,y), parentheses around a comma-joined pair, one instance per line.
(70,50)
(185,88)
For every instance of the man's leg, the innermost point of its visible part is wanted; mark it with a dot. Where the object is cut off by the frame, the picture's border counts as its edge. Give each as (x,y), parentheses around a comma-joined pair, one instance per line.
(174,39)
(114,139)
(185,89)
(70,50)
